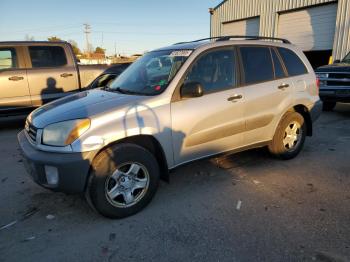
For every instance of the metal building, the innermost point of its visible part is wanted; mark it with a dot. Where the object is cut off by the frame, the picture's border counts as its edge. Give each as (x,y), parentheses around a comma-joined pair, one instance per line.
(320,27)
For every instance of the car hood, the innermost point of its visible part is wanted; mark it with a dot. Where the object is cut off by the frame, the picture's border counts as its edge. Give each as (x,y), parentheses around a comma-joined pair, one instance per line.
(339,67)
(81,105)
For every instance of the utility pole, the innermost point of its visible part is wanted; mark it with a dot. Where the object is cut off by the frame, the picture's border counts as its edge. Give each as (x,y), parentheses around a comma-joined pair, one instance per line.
(87,31)
(115,49)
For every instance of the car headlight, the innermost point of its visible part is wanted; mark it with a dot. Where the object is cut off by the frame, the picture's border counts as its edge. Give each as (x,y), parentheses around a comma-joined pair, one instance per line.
(322,75)
(64,133)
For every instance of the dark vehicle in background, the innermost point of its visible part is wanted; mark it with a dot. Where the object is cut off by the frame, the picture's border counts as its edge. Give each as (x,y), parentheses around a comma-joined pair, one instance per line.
(334,83)
(108,75)
(33,73)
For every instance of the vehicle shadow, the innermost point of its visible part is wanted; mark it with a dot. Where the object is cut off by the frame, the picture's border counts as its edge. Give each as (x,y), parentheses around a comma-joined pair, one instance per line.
(12,122)
(342,109)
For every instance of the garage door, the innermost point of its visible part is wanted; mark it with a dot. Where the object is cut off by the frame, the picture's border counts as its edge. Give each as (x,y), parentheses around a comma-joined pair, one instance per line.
(243,27)
(311,28)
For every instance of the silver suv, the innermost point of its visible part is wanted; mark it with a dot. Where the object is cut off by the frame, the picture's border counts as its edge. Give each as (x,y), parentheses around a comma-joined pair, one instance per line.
(172,106)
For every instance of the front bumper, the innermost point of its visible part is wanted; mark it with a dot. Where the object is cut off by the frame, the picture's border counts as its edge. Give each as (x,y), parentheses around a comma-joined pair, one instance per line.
(316,110)
(335,94)
(72,168)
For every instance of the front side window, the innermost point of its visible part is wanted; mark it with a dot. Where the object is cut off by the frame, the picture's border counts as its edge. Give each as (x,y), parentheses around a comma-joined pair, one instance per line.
(47,56)
(257,64)
(214,71)
(8,58)
(151,74)
(292,62)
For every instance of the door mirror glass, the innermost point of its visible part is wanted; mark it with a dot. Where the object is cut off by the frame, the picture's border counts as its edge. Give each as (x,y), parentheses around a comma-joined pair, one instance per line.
(191,89)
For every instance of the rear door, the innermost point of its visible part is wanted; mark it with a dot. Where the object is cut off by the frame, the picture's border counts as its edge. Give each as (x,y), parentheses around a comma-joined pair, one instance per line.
(51,74)
(296,69)
(268,91)
(212,123)
(14,91)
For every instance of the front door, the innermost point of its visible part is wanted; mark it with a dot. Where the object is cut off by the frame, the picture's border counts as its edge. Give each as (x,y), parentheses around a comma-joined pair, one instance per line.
(213,123)
(52,73)
(14,91)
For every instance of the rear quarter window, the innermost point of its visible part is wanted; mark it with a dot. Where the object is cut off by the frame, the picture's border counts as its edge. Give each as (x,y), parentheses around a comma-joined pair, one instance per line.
(47,56)
(292,62)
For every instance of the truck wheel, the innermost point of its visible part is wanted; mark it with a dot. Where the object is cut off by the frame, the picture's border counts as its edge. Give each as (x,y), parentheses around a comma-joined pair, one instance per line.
(289,137)
(123,180)
(328,106)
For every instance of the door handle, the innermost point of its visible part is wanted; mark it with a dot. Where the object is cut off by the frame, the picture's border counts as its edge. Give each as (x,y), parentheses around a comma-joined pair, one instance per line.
(66,75)
(16,78)
(234,98)
(283,86)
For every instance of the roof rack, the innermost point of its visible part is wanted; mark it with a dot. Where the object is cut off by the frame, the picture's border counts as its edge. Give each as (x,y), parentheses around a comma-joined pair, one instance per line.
(198,40)
(246,37)
(250,37)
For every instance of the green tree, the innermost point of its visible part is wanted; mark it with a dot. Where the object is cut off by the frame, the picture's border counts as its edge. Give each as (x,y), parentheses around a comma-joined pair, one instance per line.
(75,47)
(99,50)
(54,39)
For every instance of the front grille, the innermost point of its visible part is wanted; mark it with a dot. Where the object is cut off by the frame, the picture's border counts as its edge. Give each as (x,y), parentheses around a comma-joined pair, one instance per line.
(339,76)
(31,131)
(338,79)
(338,83)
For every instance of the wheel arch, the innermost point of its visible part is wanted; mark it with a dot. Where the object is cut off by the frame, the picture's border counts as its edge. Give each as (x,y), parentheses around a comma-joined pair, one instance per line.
(150,143)
(304,111)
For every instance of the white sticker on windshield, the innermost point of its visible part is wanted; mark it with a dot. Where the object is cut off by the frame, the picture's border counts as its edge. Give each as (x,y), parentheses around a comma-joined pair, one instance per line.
(181,53)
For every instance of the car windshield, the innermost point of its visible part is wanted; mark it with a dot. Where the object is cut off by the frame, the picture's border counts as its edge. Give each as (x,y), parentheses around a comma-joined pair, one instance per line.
(347,59)
(150,74)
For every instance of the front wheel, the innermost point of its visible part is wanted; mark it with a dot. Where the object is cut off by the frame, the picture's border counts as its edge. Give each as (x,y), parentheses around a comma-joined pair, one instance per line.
(123,180)
(289,137)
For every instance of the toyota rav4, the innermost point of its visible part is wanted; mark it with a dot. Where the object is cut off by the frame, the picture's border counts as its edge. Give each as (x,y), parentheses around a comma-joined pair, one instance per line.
(172,106)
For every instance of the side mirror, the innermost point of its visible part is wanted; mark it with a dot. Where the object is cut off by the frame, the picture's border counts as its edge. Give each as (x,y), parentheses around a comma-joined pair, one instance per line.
(336,61)
(192,89)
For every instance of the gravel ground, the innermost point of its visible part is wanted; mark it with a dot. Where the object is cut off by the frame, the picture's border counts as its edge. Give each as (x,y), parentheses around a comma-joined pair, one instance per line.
(242,207)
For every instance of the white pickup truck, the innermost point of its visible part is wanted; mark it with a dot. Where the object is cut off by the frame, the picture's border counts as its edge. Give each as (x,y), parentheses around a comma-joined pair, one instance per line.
(34,73)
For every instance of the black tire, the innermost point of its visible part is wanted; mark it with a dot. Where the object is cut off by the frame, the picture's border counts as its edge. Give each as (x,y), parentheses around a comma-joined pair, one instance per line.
(277,147)
(105,164)
(328,106)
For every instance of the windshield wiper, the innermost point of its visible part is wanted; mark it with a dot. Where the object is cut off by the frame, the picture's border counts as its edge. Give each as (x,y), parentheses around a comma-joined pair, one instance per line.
(124,91)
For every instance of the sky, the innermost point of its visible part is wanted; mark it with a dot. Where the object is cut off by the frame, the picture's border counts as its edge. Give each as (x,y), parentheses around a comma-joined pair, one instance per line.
(127,27)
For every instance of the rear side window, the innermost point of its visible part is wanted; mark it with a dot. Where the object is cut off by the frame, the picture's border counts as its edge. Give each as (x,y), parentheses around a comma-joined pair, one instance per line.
(257,64)
(47,56)
(292,62)
(8,58)
(279,73)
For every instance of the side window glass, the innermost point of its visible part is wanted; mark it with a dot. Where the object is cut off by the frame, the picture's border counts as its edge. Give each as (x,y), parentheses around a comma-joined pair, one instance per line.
(257,64)
(292,62)
(8,58)
(47,56)
(215,71)
(279,73)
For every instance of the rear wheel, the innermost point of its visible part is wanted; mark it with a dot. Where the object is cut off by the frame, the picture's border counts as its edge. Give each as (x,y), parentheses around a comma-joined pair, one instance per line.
(123,180)
(328,106)
(289,137)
